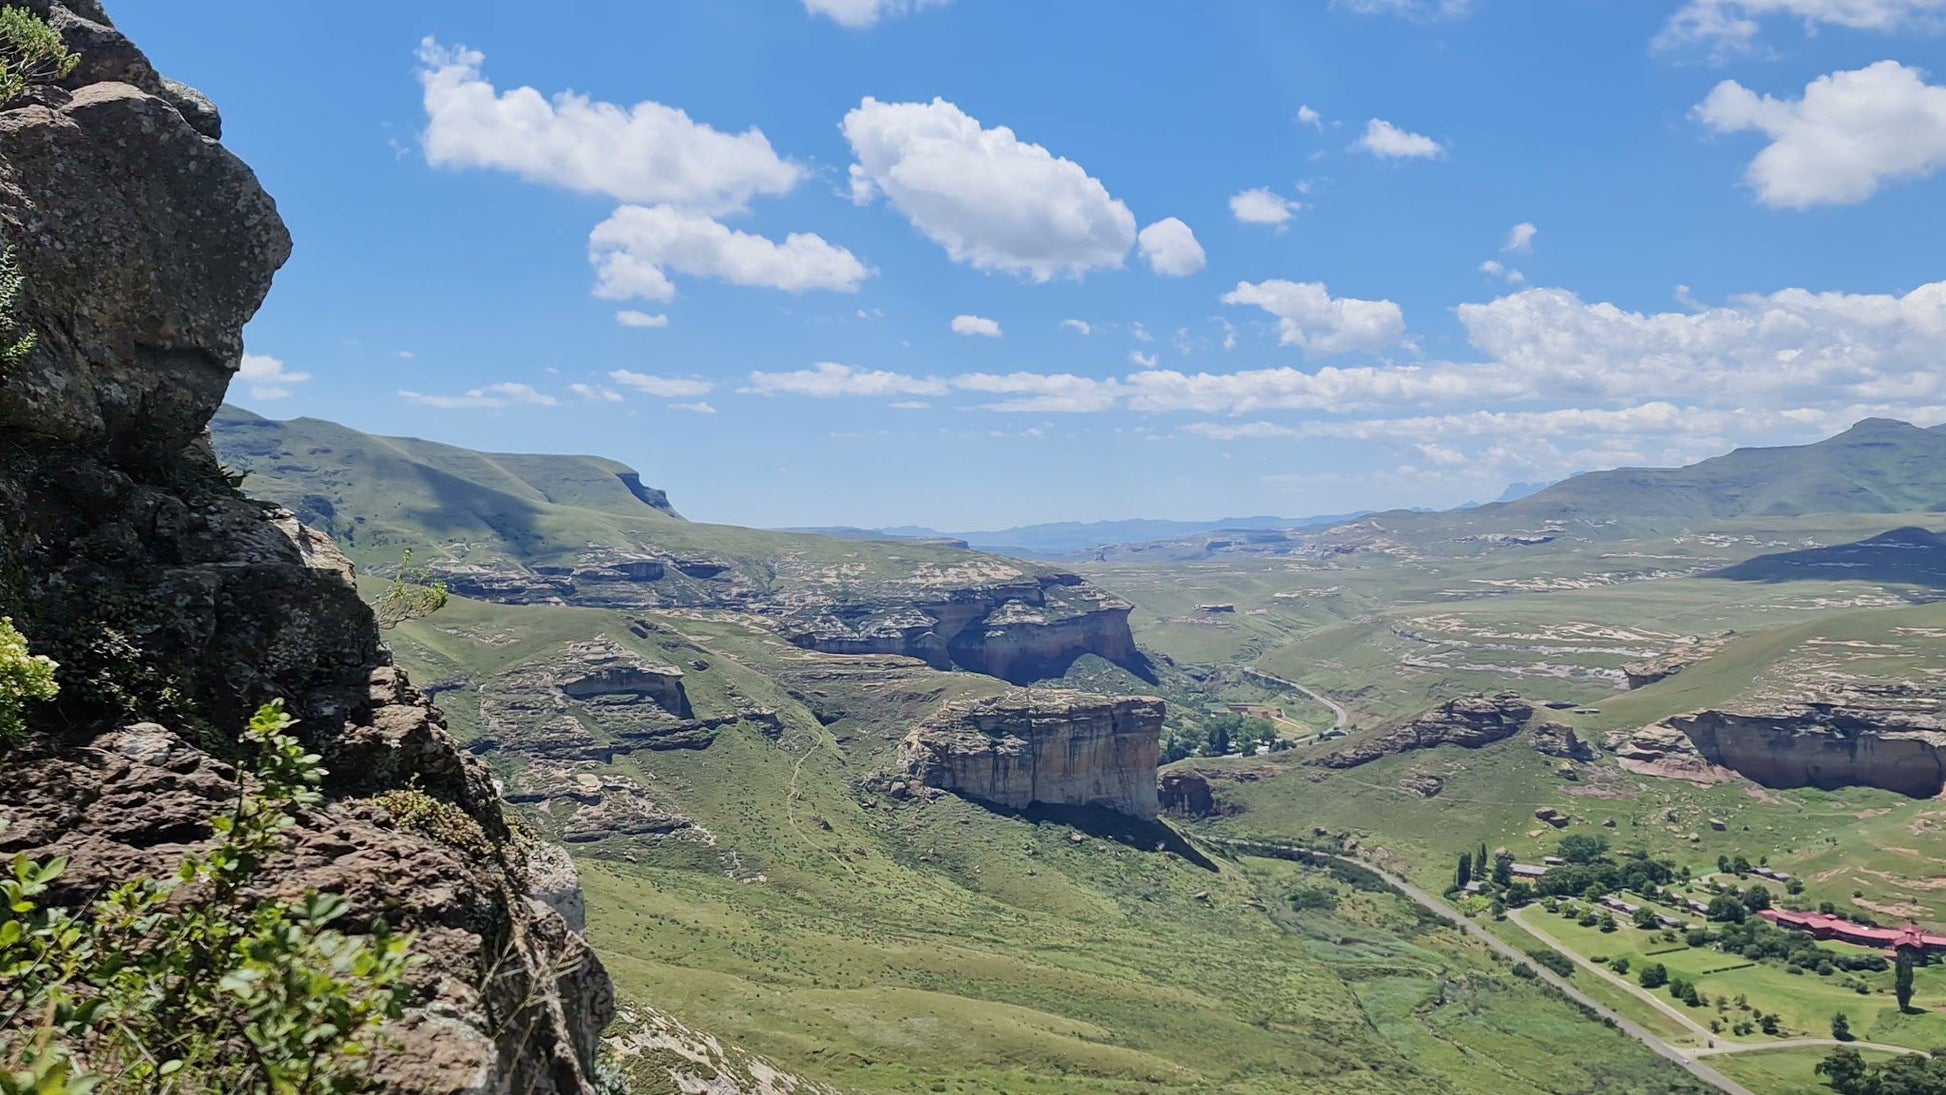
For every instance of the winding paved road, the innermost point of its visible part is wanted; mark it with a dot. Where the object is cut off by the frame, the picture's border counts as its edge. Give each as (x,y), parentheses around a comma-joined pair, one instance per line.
(1337,709)
(1684,1059)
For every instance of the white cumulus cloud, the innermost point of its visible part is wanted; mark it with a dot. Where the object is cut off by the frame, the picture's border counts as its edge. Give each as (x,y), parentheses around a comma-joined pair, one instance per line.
(1078,326)
(594,393)
(493,395)
(829,380)
(268,377)
(1851,133)
(1307,116)
(647,153)
(865,13)
(664,387)
(1383,139)
(1520,239)
(1171,248)
(1262,206)
(1310,318)
(629,317)
(975,325)
(993,201)
(635,249)
(1732,26)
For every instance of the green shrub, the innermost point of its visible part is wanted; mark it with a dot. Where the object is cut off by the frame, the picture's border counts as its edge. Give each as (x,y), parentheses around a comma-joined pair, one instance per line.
(192,983)
(24,678)
(30,53)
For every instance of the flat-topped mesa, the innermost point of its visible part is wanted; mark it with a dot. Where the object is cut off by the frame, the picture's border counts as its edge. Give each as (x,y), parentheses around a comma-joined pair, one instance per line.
(1823,745)
(1053,748)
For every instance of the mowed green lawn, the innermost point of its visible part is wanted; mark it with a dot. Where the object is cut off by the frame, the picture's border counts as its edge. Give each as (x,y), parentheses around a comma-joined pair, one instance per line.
(1782,1071)
(1804,1002)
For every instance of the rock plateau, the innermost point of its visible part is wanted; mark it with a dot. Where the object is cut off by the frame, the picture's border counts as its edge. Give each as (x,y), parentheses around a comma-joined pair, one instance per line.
(1031,747)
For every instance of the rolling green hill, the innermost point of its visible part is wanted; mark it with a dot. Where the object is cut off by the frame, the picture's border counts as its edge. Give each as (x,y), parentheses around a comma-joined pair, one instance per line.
(1877,466)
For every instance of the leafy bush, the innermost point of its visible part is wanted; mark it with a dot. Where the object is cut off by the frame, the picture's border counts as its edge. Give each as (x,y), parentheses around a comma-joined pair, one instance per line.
(30,53)
(194,983)
(1552,959)
(411,595)
(24,678)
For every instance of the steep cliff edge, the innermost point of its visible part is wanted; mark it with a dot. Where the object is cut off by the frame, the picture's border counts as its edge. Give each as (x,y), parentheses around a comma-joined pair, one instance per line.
(521,529)
(1822,745)
(175,605)
(1054,748)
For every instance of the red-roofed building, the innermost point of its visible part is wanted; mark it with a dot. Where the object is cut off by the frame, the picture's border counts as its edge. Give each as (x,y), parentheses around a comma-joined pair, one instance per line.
(1820,926)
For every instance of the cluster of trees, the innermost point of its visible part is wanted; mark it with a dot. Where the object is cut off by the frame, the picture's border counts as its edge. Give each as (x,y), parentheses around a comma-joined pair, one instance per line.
(1847,1072)
(1221,736)
(1761,941)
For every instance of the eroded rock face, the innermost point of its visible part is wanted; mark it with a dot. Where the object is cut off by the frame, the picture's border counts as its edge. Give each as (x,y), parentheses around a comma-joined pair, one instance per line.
(1021,631)
(1824,745)
(1185,794)
(1667,753)
(1043,747)
(175,606)
(1554,739)
(1470,722)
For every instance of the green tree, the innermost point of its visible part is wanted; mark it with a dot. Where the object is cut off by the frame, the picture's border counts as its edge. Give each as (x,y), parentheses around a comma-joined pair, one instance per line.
(1464,874)
(31,53)
(1607,922)
(198,982)
(1844,1070)
(1728,909)
(1645,918)
(1653,975)
(1841,1027)
(1582,848)
(1503,871)
(1902,971)
(1620,965)
(1756,898)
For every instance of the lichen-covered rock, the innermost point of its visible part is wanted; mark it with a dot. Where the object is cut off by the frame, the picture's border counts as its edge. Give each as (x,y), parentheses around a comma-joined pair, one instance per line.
(1055,748)
(1470,722)
(176,607)
(658,1053)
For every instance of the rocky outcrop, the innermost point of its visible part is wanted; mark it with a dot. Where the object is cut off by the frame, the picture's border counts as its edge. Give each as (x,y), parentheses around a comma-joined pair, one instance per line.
(582,804)
(1022,630)
(1823,745)
(1185,794)
(175,606)
(657,1052)
(594,701)
(1033,747)
(1555,739)
(1667,753)
(1470,723)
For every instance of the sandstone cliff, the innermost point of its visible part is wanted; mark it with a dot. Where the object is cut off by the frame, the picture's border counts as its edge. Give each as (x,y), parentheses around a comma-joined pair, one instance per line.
(1043,747)
(175,606)
(1470,722)
(1823,745)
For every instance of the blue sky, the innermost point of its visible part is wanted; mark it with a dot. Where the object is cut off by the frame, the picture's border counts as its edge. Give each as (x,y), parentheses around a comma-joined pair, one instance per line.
(971,263)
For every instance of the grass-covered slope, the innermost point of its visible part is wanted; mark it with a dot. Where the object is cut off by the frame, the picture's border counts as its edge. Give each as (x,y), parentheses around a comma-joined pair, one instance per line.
(884,945)
(1878,466)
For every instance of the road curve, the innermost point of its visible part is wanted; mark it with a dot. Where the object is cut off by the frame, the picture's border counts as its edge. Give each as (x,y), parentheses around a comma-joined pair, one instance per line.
(1519,916)
(1337,709)
(1680,1057)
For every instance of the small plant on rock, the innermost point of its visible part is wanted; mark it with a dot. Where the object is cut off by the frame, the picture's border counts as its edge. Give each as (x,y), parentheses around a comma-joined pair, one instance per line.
(197,982)
(24,678)
(31,52)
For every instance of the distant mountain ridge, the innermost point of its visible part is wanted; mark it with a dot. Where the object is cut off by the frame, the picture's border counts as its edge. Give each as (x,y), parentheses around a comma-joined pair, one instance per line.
(1879,465)
(582,530)
(1064,538)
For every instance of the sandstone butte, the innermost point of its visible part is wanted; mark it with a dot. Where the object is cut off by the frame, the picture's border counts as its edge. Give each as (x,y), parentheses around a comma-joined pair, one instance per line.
(1043,747)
